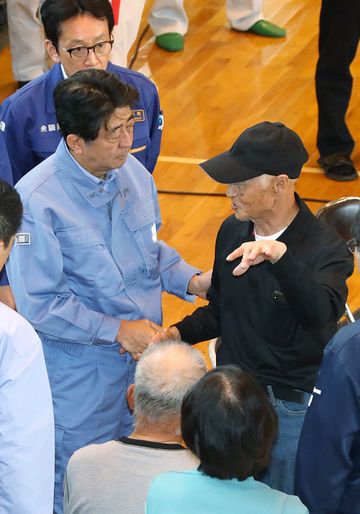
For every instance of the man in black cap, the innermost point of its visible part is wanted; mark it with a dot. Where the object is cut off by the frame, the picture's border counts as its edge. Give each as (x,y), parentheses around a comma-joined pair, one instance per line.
(279,281)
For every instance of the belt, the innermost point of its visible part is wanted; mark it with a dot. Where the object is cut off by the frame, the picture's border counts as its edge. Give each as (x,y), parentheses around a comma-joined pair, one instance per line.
(284,393)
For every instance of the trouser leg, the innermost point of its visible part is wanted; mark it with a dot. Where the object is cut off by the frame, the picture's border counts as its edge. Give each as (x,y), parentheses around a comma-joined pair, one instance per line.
(338,41)
(88,385)
(26,39)
(168,16)
(126,29)
(281,471)
(242,14)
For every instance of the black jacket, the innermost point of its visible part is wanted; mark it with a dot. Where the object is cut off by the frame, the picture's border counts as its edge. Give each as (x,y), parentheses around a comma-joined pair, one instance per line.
(276,319)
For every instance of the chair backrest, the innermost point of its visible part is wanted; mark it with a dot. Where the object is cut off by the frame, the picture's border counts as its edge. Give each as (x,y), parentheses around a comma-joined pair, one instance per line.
(340,214)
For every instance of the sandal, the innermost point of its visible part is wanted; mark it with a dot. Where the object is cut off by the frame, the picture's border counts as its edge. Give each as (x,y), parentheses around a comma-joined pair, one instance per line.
(338,167)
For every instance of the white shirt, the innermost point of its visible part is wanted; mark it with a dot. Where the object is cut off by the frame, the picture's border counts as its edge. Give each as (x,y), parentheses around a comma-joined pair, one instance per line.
(26,420)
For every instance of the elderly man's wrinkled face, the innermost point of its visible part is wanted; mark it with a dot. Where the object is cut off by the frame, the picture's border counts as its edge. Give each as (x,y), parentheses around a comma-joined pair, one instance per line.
(253,199)
(82,31)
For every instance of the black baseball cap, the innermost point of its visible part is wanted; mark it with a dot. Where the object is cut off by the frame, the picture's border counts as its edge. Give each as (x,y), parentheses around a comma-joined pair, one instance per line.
(265,148)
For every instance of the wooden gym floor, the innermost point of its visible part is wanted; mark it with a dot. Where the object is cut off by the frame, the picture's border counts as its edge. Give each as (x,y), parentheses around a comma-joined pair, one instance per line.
(222,83)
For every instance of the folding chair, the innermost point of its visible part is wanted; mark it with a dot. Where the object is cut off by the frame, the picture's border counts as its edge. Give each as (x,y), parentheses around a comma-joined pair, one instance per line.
(340,215)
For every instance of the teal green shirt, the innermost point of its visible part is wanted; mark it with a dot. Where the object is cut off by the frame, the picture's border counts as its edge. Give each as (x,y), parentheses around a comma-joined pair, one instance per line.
(191,492)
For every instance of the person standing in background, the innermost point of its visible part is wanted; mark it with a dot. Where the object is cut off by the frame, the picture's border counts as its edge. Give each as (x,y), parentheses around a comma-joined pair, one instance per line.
(169,21)
(26,39)
(338,42)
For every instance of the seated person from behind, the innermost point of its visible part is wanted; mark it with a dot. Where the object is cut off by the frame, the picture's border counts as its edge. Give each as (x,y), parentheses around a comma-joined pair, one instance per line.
(114,477)
(229,424)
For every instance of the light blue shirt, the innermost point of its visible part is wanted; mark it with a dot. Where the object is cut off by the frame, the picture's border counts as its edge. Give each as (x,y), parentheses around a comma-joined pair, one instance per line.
(192,492)
(26,420)
(87,254)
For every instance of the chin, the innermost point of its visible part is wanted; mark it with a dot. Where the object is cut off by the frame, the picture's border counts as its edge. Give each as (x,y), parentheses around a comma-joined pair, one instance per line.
(120,162)
(241,216)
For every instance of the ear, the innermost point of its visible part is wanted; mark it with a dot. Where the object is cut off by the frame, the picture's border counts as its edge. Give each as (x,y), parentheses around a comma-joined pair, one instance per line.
(51,50)
(75,143)
(280,182)
(130,397)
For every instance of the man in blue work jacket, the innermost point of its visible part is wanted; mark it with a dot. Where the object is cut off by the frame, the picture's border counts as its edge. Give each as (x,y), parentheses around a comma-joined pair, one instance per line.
(328,462)
(88,270)
(78,37)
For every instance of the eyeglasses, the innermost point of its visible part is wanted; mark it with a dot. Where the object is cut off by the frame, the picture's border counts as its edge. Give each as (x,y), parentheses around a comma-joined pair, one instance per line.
(81,52)
(353,245)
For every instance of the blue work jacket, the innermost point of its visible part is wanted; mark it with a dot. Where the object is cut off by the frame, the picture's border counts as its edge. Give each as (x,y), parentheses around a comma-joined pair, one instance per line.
(327,475)
(31,132)
(87,254)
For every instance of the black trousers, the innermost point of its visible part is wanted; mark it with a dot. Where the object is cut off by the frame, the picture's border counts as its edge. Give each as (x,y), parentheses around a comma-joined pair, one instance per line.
(338,41)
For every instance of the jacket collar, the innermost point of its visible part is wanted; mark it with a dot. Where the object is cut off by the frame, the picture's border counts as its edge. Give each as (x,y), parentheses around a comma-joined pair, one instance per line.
(54,76)
(300,225)
(97,192)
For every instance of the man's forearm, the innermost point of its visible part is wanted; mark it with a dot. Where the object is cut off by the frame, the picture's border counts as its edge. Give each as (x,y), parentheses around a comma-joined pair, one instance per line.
(201,325)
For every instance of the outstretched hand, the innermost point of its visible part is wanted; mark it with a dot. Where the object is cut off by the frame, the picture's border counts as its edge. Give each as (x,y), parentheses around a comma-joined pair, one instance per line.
(255,252)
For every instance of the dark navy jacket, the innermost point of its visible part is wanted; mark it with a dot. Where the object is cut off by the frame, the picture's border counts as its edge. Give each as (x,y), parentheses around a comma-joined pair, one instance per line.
(31,132)
(328,461)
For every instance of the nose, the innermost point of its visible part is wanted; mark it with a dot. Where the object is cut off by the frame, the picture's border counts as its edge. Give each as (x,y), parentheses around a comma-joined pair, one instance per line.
(230,192)
(91,58)
(126,138)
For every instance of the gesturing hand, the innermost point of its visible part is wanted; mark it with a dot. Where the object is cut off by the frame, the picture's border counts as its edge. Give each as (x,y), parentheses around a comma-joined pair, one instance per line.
(254,252)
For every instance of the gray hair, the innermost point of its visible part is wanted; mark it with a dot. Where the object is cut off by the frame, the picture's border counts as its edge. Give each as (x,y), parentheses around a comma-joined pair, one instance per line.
(164,374)
(265,179)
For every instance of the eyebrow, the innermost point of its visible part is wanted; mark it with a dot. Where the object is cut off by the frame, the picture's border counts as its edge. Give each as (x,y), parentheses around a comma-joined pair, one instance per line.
(82,42)
(114,129)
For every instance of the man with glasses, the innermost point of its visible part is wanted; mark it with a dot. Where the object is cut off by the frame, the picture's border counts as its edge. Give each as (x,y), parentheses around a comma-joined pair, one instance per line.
(328,460)
(78,36)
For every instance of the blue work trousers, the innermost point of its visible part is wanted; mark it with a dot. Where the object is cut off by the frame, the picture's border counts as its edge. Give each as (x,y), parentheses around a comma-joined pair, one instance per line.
(281,471)
(88,385)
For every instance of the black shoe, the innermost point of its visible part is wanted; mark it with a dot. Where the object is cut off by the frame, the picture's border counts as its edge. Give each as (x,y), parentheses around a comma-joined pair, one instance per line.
(338,166)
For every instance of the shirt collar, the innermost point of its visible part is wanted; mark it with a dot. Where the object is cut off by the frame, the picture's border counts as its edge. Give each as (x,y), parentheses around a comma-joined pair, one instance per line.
(90,176)
(63,72)
(96,191)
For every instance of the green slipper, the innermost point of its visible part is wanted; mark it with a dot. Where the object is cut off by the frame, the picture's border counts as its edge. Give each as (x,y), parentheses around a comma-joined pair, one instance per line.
(171,41)
(267,29)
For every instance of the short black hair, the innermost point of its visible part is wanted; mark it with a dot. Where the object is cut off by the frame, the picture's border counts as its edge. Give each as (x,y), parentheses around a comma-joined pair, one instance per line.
(355,229)
(228,422)
(54,12)
(85,101)
(11,211)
